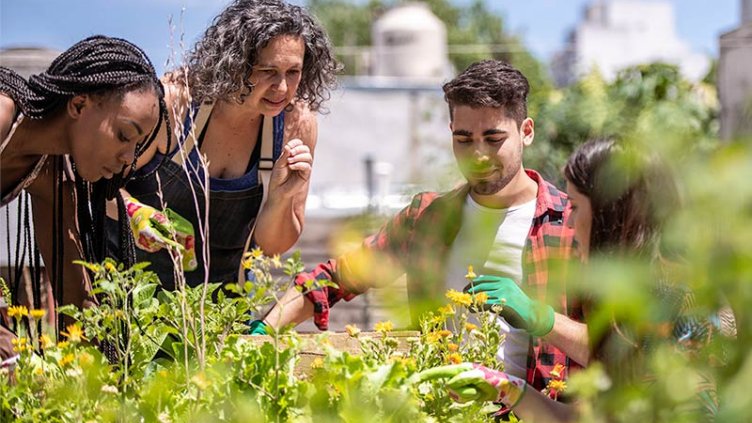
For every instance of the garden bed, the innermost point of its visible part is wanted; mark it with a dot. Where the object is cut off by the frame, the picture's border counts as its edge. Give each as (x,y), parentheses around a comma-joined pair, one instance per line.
(313,345)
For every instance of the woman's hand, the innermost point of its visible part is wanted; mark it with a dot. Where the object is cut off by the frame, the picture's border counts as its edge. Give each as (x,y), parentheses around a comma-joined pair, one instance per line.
(473,382)
(292,170)
(154,230)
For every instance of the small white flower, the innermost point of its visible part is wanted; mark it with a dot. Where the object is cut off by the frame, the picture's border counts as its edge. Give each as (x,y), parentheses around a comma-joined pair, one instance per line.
(109,389)
(74,372)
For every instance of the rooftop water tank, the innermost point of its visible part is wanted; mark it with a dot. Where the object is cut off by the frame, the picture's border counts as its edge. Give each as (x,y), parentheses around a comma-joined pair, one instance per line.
(410,42)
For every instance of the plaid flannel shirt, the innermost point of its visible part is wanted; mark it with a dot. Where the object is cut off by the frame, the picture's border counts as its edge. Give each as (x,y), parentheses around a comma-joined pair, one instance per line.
(417,241)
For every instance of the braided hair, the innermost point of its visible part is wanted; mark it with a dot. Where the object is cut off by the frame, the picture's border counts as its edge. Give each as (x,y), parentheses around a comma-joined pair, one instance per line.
(98,65)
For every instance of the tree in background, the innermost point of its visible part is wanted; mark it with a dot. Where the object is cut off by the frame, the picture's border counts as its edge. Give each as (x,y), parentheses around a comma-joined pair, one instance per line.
(651,101)
(475,31)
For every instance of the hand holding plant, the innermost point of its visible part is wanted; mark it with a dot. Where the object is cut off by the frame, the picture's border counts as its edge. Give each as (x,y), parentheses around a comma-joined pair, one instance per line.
(154,230)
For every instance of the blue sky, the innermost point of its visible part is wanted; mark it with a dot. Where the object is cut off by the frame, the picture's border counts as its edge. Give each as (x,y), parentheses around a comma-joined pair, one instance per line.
(543,24)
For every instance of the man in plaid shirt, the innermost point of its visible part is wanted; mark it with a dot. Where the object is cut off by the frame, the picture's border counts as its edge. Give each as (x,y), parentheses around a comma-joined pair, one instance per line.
(505,221)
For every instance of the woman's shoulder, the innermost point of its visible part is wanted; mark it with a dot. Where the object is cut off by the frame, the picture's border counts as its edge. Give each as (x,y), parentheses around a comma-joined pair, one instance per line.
(175,84)
(7,115)
(177,101)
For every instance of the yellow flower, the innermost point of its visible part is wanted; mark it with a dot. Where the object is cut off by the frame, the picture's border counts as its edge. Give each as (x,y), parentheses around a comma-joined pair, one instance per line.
(432,337)
(85,358)
(19,341)
(46,342)
(383,327)
(459,298)
(556,372)
(453,347)
(62,344)
(110,267)
(257,253)
(447,310)
(247,263)
(556,385)
(470,327)
(470,274)
(39,371)
(352,330)
(66,359)
(200,380)
(317,363)
(480,298)
(444,333)
(20,344)
(37,313)
(454,358)
(75,334)
(18,311)
(276,262)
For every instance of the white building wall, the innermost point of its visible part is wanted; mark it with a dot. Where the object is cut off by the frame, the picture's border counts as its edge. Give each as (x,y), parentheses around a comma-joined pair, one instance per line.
(616,34)
(746,11)
(406,134)
(735,82)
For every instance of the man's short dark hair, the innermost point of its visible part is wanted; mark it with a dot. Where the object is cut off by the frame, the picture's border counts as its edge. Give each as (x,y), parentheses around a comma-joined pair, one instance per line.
(490,83)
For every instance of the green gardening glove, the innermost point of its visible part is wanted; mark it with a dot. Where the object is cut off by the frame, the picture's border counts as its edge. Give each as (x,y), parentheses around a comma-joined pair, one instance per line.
(516,307)
(474,382)
(258,327)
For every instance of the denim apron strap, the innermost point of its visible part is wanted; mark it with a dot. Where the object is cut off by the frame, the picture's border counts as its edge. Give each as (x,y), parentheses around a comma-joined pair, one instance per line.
(266,164)
(193,127)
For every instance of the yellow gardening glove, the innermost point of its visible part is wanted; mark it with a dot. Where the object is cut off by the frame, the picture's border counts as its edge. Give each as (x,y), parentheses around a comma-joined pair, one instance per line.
(154,230)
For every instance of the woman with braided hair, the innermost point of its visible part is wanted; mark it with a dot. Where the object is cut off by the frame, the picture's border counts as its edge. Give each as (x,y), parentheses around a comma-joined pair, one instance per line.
(69,137)
(247,101)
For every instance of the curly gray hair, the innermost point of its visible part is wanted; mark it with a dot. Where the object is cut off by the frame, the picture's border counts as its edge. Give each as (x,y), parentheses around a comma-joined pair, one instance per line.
(220,64)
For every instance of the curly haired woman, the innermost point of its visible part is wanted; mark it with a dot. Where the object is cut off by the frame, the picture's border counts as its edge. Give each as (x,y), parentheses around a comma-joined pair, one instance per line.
(260,72)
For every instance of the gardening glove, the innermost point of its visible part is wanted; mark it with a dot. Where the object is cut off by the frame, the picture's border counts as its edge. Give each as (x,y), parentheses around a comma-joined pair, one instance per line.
(10,363)
(516,307)
(474,382)
(258,327)
(154,230)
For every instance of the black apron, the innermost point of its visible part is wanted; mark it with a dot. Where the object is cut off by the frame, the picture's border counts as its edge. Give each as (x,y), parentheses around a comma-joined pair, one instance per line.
(233,205)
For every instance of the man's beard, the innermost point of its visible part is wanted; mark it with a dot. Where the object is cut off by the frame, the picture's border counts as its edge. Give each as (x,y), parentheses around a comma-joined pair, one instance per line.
(490,187)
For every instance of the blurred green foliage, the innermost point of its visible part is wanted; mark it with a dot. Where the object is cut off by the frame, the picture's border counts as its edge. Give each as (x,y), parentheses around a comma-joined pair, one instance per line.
(712,233)
(649,102)
(655,108)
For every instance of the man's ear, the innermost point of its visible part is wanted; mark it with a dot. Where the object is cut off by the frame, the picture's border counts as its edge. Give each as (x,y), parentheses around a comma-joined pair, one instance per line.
(77,104)
(527,130)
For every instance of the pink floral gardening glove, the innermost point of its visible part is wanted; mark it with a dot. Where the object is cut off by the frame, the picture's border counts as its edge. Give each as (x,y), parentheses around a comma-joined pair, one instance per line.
(473,382)
(154,230)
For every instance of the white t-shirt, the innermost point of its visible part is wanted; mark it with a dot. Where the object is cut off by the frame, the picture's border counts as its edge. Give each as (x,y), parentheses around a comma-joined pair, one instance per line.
(492,240)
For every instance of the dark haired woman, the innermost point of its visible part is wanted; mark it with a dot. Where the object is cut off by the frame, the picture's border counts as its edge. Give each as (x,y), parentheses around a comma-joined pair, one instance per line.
(253,82)
(75,128)
(620,199)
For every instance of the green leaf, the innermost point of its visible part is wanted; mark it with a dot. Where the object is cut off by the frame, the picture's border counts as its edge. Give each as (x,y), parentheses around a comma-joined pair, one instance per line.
(69,310)
(141,265)
(143,293)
